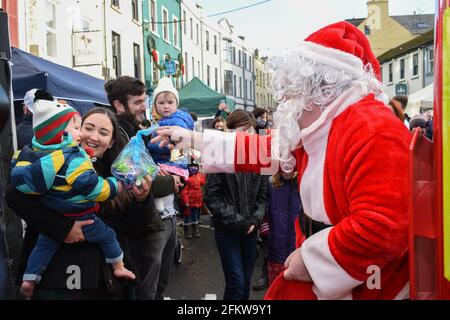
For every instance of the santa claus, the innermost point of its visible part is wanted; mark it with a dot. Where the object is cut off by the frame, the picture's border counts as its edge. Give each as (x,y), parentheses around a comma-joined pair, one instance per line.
(333,127)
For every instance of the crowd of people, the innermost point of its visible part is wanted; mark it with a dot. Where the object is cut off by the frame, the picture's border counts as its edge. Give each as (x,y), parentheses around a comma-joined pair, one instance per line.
(322,215)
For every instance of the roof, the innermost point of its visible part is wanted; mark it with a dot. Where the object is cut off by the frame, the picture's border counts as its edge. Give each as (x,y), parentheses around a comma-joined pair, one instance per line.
(406,47)
(416,23)
(355,21)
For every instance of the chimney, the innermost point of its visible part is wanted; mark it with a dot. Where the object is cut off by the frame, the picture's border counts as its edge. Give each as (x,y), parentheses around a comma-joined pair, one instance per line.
(377,12)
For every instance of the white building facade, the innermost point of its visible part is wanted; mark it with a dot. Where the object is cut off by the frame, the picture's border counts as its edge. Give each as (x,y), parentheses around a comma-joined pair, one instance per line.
(409,71)
(102,38)
(238,68)
(201,46)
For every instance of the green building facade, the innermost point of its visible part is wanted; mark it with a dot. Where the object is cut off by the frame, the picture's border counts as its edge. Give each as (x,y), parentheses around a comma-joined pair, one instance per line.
(162,36)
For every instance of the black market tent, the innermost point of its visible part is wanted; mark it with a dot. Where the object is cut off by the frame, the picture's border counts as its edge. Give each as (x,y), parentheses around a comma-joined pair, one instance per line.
(197,97)
(79,89)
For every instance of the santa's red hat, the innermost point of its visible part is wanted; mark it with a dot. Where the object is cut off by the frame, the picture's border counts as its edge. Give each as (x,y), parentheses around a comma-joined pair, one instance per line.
(341,45)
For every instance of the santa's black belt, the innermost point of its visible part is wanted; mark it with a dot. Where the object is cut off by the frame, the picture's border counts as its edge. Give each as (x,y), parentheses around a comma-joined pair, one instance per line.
(310,226)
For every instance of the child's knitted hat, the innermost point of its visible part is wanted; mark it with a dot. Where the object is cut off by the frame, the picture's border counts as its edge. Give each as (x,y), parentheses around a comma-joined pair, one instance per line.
(165,85)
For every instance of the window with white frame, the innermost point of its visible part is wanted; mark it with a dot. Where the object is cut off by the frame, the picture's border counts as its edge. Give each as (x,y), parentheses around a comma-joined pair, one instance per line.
(175,31)
(137,60)
(402,69)
(208,75)
(117,61)
(186,77)
(184,21)
(215,44)
(165,23)
(115,3)
(429,61)
(240,87)
(216,80)
(193,67)
(135,9)
(50,23)
(239,57)
(86,25)
(192,29)
(153,15)
(196,34)
(207,40)
(391,72)
(234,87)
(415,64)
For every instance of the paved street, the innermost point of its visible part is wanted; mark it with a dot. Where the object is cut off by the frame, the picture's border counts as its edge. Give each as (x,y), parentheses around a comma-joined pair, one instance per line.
(200,272)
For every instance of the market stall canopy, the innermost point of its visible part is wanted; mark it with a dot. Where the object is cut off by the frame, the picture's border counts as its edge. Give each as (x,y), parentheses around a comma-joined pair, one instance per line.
(197,97)
(420,101)
(80,89)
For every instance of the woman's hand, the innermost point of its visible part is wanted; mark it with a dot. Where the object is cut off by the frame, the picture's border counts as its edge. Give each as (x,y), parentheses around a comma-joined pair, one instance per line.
(141,193)
(76,234)
(295,267)
(163,172)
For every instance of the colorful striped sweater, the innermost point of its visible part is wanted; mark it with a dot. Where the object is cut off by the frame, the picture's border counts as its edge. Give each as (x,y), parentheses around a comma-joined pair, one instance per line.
(63,175)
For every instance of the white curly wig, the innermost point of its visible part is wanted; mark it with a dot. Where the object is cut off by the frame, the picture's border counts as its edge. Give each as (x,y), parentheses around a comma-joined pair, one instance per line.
(300,83)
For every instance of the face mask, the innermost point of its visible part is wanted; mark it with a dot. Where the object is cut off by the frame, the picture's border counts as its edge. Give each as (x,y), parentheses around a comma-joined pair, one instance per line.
(261,124)
(193,171)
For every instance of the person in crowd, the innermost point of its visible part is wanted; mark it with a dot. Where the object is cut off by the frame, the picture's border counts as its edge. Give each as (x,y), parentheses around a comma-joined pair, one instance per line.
(397,109)
(25,128)
(127,97)
(219,123)
(261,124)
(284,209)
(192,200)
(166,103)
(61,172)
(151,251)
(237,203)
(418,121)
(333,126)
(222,110)
(262,117)
(403,101)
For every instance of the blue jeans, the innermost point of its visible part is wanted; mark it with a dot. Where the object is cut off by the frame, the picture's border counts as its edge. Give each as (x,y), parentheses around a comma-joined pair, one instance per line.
(45,248)
(238,254)
(193,218)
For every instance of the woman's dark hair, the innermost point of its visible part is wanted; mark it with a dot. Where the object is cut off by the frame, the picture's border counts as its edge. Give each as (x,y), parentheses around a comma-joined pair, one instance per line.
(239,118)
(398,110)
(103,165)
(218,119)
(257,112)
(403,100)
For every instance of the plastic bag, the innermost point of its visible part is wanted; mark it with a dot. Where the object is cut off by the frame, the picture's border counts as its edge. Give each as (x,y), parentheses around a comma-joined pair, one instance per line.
(134,162)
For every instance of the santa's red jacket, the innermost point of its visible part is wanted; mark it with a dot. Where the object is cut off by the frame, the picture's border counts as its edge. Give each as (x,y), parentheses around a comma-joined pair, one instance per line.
(353,175)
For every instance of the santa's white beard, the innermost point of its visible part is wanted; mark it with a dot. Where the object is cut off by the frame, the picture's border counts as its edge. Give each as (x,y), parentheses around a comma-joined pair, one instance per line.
(287,133)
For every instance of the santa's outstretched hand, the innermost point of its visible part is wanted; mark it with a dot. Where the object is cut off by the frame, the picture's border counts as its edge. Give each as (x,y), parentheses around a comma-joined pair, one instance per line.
(295,267)
(178,137)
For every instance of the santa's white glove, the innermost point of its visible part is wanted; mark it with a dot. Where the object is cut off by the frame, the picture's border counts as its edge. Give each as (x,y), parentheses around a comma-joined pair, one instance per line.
(295,267)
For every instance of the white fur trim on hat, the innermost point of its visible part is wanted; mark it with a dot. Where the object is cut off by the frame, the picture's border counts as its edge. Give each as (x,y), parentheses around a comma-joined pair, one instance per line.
(165,85)
(332,57)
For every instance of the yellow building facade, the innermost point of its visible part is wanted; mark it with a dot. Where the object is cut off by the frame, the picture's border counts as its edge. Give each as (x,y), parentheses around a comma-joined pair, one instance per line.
(263,94)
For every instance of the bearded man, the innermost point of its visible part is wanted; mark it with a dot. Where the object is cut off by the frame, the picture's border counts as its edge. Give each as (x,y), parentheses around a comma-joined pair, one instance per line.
(334,128)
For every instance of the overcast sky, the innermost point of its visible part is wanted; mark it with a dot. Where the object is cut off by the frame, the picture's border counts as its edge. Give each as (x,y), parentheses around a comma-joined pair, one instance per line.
(278,24)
